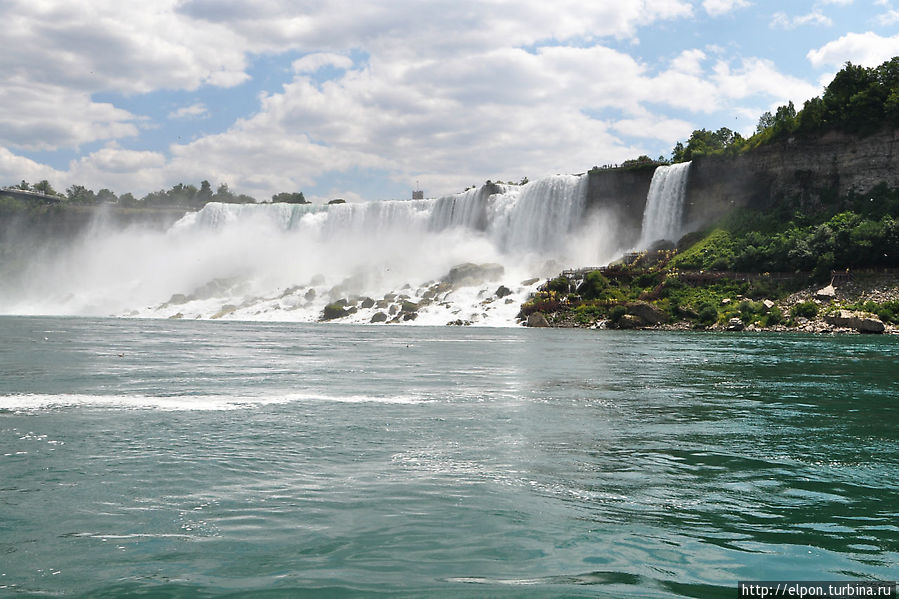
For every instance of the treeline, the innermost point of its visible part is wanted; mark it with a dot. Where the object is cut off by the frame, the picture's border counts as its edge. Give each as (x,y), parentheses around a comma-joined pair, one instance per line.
(859,100)
(180,195)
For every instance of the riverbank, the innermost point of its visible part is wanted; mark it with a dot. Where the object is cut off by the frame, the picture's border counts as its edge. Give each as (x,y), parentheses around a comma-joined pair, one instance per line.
(865,302)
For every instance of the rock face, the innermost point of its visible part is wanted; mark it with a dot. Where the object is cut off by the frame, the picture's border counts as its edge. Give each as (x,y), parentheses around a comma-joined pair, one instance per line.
(805,168)
(502,291)
(537,319)
(863,322)
(647,313)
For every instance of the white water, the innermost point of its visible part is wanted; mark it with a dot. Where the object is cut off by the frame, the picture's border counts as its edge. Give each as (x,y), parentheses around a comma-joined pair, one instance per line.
(662,217)
(286,262)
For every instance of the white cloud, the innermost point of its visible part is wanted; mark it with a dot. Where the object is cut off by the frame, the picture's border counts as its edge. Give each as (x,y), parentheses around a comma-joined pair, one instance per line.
(42,116)
(193,111)
(313,62)
(890,17)
(866,49)
(717,8)
(783,21)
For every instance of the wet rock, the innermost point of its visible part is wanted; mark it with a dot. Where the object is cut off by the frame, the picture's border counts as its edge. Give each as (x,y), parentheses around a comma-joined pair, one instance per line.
(367,302)
(226,309)
(334,310)
(410,316)
(735,324)
(458,323)
(310,295)
(538,320)
(393,309)
(177,299)
(502,291)
(379,317)
(176,316)
(409,307)
(470,274)
(529,282)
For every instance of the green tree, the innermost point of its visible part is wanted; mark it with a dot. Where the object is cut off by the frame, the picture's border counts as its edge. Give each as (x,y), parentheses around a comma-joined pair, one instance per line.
(290,198)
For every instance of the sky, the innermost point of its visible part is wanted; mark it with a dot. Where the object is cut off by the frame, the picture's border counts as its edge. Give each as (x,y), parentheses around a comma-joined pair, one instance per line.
(368,100)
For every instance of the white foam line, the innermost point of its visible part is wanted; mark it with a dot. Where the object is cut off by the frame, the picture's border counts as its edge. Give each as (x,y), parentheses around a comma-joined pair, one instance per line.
(36,402)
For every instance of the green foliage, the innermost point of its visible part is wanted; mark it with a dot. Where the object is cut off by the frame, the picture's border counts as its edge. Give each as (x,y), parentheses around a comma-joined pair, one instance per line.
(559,285)
(290,198)
(804,309)
(703,142)
(617,313)
(594,286)
(708,313)
(774,317)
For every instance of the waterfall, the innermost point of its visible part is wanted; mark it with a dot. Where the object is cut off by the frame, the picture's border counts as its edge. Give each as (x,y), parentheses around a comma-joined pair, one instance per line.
(288,261)
(664,204)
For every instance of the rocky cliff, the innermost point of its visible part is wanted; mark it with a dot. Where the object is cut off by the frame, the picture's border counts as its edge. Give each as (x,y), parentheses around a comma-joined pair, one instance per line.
(805,169)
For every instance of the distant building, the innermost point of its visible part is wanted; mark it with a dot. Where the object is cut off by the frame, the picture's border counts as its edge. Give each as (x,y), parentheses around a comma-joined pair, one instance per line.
(418,194)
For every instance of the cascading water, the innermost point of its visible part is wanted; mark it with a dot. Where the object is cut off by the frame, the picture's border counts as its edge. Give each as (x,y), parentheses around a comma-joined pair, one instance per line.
(287,262)
(664,204)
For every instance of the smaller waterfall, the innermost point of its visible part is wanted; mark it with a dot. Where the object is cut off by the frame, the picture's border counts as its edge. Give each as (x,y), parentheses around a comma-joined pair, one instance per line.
(664,204)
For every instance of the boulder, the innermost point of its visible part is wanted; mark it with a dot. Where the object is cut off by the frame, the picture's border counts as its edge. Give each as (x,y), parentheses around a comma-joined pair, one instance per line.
(725,301)
(826,294)
(310,295)
(379,317)
(502,291)
(768,304)
(469,274)
(332,311)
(863,322)
(226,309)
(537,319)
(629,321)
(409,307)
(529,282)
(367,302)
(647,313)
(735,324)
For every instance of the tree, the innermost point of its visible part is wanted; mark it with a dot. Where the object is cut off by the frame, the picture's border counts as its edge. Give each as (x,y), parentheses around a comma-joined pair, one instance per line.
(290,198)
(106,196)
(79,194)
(204,195)
(766,121)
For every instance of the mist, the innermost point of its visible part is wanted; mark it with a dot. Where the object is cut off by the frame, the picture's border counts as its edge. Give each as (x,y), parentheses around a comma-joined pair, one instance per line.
(287,261)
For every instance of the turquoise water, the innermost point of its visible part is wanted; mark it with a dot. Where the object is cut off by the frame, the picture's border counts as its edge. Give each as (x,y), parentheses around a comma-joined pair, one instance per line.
(206,459)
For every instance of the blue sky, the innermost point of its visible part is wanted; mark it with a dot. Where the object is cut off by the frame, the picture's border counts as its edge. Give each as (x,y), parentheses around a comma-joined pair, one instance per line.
(365,100)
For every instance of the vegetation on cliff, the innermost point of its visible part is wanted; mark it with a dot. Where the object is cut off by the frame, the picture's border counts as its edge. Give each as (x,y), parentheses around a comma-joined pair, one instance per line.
(859,100)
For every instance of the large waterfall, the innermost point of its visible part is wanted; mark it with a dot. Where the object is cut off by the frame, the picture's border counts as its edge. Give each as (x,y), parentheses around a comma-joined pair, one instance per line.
(665,205)
(287,262)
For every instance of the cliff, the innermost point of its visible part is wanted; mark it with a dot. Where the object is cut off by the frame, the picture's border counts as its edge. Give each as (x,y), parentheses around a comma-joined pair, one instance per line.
(810,170)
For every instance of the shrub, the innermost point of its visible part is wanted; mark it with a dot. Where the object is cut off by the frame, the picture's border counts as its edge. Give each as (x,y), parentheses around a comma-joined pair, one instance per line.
(805,310)
(593,286)
(616,313)
(774,317)
(559,285)
(708,313)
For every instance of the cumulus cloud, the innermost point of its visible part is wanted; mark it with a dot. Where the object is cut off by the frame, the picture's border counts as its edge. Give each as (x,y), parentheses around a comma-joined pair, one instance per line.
(717,8)
(448,92)
(867,49)
(783,21)
(194,111)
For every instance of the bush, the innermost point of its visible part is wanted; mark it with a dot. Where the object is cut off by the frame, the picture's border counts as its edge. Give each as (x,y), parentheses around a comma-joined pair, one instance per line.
(804,309)
(616,313)
(774,317)
(708,314)
(593,286)
(559,285)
